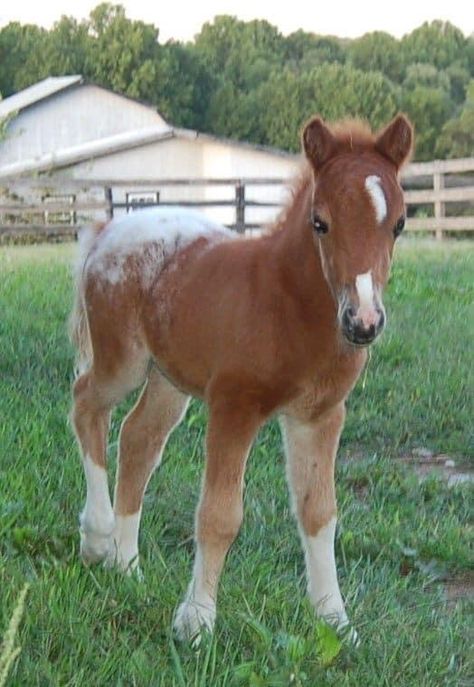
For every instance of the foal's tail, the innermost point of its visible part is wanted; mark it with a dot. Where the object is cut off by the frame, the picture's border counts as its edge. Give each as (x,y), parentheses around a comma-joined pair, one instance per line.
(79,333)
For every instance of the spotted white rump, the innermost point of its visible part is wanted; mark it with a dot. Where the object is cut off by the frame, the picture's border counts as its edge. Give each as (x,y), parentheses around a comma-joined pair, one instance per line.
(155,235)
(373,185)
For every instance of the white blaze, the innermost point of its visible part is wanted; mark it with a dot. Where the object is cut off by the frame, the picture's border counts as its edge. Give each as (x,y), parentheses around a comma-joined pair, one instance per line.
(365,290)
(373,185)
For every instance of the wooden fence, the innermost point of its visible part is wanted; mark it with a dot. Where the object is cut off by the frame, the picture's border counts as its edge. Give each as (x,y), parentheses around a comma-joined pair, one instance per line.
(441,190)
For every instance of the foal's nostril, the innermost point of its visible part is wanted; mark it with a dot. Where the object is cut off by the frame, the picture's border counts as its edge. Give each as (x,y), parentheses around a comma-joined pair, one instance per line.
(347,319)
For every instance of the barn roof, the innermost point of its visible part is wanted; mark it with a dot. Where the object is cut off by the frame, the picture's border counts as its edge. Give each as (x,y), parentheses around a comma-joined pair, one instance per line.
(39,91)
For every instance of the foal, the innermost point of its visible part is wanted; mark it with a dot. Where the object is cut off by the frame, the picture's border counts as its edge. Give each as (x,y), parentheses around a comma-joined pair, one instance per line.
(255,327)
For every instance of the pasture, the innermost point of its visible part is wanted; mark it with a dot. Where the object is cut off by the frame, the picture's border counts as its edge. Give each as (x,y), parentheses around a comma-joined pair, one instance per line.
(402,545)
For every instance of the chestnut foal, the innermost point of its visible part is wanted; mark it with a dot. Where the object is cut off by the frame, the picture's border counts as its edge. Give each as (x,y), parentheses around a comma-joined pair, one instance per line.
(255,327)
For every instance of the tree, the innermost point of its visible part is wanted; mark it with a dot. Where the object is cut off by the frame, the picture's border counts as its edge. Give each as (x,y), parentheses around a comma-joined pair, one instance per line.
(377,51)
(438,43)
(68,47)
(242,53)
(457,136)
(123,52)
(428,108)
(422,74)
(17,43)
(459,78)
(305,50)
(334,91)
(183,85)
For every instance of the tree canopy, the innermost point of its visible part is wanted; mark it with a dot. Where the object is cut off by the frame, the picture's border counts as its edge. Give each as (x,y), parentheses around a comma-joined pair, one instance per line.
(246,80)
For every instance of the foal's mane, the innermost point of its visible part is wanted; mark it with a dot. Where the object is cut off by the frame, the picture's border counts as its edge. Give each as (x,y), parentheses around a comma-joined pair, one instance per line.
(352,135)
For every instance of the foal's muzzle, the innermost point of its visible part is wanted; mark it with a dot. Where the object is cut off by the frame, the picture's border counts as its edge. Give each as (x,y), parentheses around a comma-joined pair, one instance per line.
(362,331)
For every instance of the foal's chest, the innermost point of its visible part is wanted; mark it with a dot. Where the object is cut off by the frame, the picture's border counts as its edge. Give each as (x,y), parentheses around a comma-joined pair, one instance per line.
(330,385)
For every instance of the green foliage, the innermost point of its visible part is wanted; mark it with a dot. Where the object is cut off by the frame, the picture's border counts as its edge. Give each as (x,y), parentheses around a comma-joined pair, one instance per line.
(377,51)
(66,49)
(334,91)
(429,109)
(18,44)
(304,50)
(122,54)
(245,80)
(427,75)
(457,136)
(241,52)
(438,43)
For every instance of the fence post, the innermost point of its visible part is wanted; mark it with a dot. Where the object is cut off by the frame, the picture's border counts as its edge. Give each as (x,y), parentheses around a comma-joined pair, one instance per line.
(439,206)
(109,212)
(240,206)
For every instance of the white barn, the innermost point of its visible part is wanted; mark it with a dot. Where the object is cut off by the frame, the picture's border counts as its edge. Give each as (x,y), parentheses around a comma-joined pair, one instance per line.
(64,129)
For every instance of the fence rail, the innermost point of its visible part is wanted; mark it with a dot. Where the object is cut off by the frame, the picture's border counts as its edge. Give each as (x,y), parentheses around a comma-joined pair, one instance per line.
(45,215)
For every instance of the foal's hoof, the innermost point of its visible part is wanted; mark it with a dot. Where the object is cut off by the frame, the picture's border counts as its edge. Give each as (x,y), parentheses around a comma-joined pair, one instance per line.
(129,567)
(346,631)
(192,619)
(95,547)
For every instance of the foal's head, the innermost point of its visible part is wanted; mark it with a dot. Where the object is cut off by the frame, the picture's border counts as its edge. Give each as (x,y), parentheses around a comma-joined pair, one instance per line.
(357,212)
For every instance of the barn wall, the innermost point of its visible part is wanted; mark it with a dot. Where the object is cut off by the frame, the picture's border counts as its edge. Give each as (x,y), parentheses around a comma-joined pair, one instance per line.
(221,159)
(180,158)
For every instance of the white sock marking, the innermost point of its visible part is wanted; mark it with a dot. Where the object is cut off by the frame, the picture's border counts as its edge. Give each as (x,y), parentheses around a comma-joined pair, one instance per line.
(97,519)
(323,586)
(98,515)
(126,540)
(198,610)
(373,185)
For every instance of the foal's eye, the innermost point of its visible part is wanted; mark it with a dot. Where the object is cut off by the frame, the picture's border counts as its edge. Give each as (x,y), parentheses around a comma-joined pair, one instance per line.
(398,228)
(319,225)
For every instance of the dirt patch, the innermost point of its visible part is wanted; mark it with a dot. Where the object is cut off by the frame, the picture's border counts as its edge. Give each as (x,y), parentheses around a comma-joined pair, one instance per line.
(428,464)
(459,588)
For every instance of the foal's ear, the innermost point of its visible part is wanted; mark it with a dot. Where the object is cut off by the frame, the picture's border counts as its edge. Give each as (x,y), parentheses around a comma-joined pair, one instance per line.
(396,141)
(318,142)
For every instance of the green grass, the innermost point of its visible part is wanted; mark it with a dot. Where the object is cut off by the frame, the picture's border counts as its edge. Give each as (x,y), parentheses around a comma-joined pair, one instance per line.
(398,539)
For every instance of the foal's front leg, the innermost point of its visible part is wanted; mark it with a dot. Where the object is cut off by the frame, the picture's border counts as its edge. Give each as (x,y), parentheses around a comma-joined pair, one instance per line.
(219,514)
(311,451)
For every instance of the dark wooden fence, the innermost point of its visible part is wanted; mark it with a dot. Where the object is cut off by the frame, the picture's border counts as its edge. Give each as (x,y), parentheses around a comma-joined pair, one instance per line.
(440,190)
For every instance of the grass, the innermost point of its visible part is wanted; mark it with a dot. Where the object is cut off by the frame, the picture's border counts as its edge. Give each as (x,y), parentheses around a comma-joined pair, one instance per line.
(398,538)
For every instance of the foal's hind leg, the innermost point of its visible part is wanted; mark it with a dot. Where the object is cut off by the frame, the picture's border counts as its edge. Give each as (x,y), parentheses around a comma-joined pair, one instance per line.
(90,416)
(95,393)
(219,515)
(142,441)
